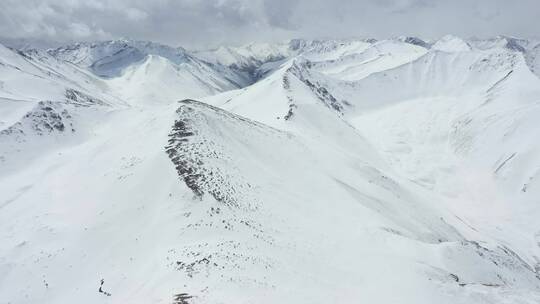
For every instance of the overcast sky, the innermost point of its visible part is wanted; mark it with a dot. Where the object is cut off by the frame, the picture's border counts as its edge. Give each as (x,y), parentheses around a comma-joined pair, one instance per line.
(205,23)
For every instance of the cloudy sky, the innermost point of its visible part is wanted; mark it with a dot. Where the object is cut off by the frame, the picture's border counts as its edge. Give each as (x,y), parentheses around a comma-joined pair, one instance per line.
(205,23)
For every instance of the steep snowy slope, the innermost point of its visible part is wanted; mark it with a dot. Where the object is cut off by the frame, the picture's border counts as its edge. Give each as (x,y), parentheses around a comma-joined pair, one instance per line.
(140,71)
(530,48)
(255,60)
(335,218)
(49,77)
(463,124)
(121,52)
(62,213)
(158,80)
(246,56)
(378,57)
(41,96)
(347,59)
(246,216)
(532,56)
(437,73)
(289,88)
(353,171)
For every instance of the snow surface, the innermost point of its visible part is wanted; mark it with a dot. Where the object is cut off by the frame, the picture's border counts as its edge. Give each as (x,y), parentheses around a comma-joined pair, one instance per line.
(348,171)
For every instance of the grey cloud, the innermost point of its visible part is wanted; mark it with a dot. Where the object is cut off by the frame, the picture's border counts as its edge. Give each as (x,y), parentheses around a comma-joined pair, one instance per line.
(196,23)
(279,13)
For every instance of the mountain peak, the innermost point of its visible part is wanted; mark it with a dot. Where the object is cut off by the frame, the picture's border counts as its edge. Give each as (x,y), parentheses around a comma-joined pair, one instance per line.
(450,43)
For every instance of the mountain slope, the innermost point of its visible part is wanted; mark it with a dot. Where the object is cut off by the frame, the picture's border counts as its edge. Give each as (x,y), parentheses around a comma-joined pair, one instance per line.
(466,130)
(396,171)
(432,119)
(141,70)
(256,59)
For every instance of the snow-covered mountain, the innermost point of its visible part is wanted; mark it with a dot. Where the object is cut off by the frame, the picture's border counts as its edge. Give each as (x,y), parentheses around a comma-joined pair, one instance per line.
(150,72)
(256,60)
(308,171)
